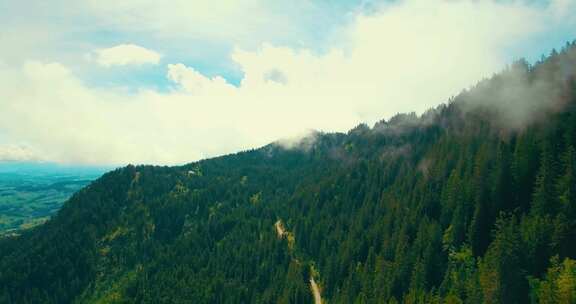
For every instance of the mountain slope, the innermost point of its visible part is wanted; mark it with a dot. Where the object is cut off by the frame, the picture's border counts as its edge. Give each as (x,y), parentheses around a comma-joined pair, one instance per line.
(472,202)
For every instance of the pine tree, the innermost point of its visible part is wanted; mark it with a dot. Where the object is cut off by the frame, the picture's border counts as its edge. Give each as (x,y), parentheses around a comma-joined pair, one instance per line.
(544,199)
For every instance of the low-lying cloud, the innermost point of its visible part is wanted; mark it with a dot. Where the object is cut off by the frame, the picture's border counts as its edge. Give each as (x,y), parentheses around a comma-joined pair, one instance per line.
(408,56)
(14,152)
(523,94)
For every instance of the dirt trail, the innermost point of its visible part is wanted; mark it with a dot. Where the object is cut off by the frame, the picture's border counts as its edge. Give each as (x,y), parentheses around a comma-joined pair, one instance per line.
(281,232)
(315,291)
(280,229)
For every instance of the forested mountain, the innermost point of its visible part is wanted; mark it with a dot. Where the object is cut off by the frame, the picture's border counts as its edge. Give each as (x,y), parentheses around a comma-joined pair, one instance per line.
(472,202)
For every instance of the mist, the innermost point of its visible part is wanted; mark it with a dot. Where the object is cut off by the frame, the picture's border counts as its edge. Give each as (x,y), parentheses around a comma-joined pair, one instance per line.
(523,93)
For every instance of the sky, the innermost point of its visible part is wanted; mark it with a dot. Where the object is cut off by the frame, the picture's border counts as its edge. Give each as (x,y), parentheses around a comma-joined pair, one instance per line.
(101,82)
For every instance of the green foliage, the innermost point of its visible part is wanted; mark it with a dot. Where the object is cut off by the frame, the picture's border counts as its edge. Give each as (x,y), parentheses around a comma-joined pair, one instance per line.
(559,284)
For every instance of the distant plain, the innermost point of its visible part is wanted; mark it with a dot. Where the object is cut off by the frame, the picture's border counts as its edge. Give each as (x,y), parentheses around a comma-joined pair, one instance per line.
(31,193)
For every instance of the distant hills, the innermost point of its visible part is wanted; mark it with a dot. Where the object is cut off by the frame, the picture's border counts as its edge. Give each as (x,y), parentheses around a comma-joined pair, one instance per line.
(48,168)
(471,202)
(32,192)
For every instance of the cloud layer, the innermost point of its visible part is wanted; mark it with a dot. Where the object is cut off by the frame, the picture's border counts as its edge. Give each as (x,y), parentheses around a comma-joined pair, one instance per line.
(406,56)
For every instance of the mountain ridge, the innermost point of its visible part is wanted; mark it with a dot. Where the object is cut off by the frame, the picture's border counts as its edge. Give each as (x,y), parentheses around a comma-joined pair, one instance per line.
(473,201)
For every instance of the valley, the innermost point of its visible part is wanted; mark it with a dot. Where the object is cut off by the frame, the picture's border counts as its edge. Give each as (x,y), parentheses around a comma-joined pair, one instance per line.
(30,195)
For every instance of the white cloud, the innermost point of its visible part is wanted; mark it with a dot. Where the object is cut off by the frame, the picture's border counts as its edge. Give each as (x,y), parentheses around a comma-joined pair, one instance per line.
(409,56)
(240,21)
(13,152)
(126,54)
(195,83)
(190,30)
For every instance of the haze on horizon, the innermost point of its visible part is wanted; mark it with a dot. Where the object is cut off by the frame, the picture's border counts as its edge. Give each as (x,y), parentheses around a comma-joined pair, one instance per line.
(106,83)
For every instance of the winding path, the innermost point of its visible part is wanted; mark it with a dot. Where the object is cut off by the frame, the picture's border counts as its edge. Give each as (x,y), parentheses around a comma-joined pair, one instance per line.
(281,232)
(315,291)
